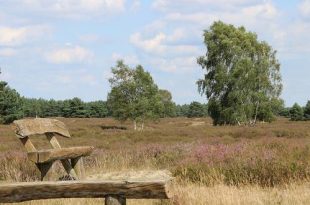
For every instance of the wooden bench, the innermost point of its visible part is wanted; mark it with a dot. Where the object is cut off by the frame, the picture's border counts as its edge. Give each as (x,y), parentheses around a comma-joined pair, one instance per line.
(115,189)
(71,158)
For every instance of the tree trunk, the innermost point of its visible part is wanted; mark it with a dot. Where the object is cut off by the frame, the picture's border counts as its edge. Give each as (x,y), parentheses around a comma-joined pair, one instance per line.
(135,125)
(256,112)
(142,126)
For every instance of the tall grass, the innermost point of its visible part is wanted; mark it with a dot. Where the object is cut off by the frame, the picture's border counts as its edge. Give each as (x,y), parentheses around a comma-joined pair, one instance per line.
(212,165)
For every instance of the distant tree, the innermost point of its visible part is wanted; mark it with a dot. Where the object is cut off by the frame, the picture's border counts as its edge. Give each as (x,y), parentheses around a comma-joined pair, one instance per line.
(169,107)
(307,111)
(285,112)
(182,110)
(97,109)
(10,104)
(30,107)
(269,110)
(242,79)
(53,108)
(296,113)
(75,108)
(68,108)
(196,109)
(133,95)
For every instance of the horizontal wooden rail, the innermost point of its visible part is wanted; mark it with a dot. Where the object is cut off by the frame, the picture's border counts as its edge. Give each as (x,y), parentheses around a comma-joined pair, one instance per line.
(26,191)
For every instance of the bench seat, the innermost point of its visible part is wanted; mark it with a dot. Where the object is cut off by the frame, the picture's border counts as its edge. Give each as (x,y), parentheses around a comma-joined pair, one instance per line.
(50,155)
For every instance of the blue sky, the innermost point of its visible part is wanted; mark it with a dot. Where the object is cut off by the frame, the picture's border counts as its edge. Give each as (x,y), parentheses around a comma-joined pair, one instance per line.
(65,48)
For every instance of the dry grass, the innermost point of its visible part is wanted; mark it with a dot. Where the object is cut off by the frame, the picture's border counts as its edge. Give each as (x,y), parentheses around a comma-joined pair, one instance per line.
(266,164)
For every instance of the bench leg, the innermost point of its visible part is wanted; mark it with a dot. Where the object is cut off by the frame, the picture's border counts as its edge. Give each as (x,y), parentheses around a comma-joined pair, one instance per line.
(67,165)
(115,200)
(78,166)
(44,168)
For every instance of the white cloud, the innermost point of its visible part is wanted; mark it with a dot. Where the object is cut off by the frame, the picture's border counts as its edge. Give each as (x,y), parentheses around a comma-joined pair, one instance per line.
(70,54)
(162,44)
(72,8)
(259,14)
(175,65)
(266,10)
(177,40)
(304,7)
(13,36)
(150,45)
(170,5)
(8,52)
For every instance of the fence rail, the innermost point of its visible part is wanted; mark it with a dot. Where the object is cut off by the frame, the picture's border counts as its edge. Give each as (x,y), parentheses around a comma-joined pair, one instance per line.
(114,192)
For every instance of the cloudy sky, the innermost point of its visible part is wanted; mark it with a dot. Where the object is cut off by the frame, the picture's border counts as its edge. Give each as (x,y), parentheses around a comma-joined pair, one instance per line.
(65,48)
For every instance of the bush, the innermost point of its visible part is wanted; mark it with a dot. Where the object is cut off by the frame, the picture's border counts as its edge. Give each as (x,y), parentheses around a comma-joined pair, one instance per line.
(10,104)
(296,113)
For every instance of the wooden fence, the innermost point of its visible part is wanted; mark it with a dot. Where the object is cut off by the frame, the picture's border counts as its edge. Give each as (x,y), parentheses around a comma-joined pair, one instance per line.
(114,192)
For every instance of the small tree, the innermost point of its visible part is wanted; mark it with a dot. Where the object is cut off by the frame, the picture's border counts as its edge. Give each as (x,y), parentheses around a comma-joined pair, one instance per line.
(182,110)
(307,111)
(11,107)
(242,79)
(296,113)
(169,107)
(196,109)
(133,95)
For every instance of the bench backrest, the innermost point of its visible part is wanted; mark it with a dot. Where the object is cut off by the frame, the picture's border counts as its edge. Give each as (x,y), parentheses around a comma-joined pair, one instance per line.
(28,127)
(40,126)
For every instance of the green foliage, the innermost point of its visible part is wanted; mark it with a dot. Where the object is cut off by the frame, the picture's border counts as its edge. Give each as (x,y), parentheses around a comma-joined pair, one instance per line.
(10,104)
(307,111)
(285,112)
(169,107)
(68,108)
(242,80)
(296,113)
(182,110)
(97,109)
(75,108)
(196,109)
(134,95)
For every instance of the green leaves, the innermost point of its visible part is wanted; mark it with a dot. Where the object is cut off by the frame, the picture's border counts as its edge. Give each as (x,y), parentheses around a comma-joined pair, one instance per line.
(296,113)
(10,104)
(242,77)
(134,95)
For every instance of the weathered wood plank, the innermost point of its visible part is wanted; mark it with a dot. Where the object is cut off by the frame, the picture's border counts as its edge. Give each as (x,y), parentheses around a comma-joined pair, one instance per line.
(65,161)
(28,144)
(78,166)
(49,155)
(28,127)
(26,191)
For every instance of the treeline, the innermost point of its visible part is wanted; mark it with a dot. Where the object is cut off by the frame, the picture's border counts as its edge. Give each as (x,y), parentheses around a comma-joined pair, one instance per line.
(64,108)
(76,108)
(13,106)
(297,112)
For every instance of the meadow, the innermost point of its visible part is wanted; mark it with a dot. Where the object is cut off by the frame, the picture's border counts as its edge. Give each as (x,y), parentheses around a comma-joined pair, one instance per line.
(265,164)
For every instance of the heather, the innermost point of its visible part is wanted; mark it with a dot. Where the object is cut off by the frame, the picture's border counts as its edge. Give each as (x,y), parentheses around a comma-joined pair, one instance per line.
(269,161)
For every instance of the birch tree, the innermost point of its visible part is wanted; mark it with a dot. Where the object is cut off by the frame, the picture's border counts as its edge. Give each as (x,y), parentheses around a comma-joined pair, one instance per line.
(133,95)
(242,77)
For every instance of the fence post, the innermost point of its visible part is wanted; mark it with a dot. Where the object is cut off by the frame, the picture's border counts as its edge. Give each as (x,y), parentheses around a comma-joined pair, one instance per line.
(115,200)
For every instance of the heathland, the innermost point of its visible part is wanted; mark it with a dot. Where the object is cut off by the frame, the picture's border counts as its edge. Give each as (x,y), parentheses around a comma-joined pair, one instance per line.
(265,164)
